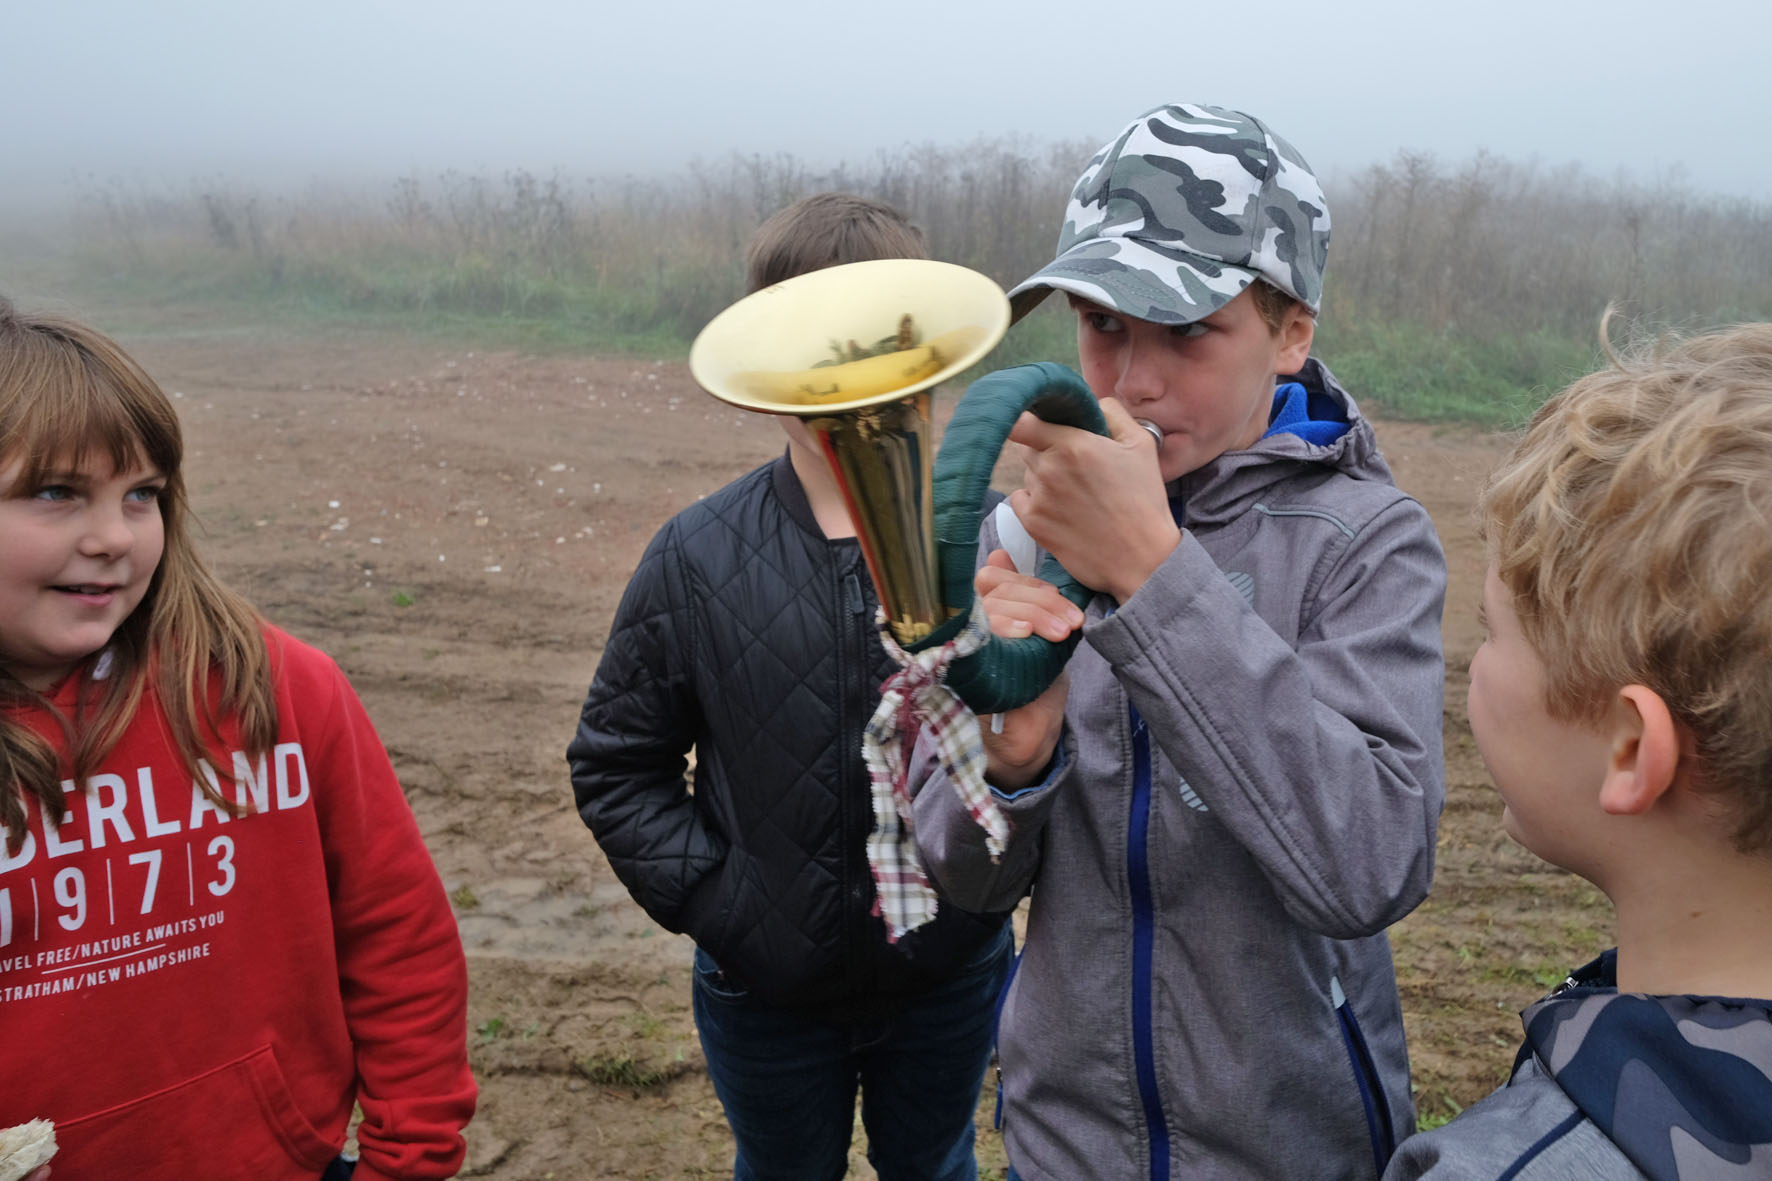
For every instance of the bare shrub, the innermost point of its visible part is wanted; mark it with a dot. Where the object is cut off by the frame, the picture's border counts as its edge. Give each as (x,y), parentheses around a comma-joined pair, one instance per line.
(1492,247)
(1502,263)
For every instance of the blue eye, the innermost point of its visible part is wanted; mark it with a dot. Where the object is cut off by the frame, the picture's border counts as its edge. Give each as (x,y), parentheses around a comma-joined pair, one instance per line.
(147,494)
(53,492)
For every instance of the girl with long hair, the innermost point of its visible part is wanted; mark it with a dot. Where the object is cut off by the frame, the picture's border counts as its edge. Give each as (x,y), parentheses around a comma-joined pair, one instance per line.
(220,929)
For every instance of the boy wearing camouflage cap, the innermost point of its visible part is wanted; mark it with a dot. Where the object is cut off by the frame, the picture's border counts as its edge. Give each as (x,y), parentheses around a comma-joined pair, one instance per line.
(1622,701)
(1239,789)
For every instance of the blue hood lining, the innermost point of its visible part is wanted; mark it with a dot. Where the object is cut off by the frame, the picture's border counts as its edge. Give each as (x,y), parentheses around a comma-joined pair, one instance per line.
(1314,417)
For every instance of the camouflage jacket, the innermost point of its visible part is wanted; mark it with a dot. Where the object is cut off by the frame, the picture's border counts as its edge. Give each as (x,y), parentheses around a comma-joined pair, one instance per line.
(1616,1085)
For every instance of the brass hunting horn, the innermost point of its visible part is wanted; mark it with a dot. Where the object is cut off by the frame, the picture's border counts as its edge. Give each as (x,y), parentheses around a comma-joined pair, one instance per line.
(856,351)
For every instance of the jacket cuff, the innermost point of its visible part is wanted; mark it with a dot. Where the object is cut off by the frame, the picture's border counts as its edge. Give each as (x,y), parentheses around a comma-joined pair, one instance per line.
(1124,636)
(1055,771)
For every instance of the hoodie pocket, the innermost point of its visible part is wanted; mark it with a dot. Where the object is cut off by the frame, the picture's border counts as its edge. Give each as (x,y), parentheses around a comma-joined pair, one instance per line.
(1371,1087)
(241,1112)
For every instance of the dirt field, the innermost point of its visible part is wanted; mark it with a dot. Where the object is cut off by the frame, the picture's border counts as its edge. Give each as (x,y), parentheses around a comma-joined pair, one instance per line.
(456,528)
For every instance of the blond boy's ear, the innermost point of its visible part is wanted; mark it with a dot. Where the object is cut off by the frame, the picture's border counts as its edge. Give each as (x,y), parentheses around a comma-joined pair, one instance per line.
(1645,752)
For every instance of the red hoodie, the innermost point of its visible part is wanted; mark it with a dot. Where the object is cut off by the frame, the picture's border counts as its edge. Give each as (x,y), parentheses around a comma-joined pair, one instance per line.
(190,995)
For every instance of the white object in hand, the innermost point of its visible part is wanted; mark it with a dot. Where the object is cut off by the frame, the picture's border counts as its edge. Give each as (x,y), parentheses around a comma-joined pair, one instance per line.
(1013,536)
(24,1148)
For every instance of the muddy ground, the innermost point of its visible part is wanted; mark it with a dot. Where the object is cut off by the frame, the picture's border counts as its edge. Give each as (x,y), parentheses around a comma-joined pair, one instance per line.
(456,527)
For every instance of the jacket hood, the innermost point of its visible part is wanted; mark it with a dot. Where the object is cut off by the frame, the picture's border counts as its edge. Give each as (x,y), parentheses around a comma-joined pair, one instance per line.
(1681,1084)
(1224,489)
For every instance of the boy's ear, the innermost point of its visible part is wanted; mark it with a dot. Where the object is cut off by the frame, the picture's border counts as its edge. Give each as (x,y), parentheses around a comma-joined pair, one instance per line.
(1645,753)
(1297,330)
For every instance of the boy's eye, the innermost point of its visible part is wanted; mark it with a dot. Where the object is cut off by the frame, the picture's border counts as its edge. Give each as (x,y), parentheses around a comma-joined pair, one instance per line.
(1189,331)
(1102,321)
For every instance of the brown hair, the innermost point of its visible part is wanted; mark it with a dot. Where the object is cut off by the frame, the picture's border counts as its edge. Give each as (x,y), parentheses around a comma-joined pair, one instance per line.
(826,230)
(1273,304)
(1633,525)
(67,393)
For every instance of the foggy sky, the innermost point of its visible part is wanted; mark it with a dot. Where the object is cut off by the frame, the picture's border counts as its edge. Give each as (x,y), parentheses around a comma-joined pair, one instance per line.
(171,91)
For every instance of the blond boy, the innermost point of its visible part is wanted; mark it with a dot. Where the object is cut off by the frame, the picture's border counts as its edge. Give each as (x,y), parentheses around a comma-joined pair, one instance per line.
(1622,701)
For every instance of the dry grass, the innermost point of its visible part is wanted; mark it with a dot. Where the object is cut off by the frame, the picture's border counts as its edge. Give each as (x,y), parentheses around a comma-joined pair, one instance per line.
(1462,291)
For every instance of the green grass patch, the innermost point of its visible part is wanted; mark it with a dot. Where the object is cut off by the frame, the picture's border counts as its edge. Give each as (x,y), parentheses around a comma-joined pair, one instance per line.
(471,300)
(1048,333)
(1415,372)
(620,1070)
(1544,977)
(1442,1111)
(480,300)
(1403,369)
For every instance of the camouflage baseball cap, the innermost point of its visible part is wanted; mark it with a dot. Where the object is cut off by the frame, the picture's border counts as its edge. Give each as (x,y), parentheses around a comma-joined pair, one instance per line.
(1180,212)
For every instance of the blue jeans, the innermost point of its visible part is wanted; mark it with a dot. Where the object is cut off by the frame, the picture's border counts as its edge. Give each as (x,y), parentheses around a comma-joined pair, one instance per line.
(788,1083)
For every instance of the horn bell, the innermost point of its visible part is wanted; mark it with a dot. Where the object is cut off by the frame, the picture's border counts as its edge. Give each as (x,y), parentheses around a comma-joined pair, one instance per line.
(791,349)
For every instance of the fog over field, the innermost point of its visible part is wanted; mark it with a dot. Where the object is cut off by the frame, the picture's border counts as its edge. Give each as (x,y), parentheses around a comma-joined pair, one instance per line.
(422,277)
(184,92)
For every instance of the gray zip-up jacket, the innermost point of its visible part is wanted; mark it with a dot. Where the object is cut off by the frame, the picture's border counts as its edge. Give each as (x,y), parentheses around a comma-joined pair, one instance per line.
(1610,1086)
(1246,796)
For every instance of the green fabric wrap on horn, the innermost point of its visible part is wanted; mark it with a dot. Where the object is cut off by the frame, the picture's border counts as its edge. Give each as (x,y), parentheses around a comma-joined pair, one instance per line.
(1005,673)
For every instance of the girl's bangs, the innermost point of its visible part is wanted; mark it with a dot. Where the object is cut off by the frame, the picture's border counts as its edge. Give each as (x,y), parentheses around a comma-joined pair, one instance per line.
(78,412)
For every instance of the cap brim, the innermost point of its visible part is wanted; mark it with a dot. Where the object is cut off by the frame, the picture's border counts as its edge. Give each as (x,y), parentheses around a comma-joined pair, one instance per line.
(1162,285)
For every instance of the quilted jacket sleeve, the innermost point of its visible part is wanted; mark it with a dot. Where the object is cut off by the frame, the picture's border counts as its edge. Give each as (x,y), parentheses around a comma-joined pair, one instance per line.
(639,722)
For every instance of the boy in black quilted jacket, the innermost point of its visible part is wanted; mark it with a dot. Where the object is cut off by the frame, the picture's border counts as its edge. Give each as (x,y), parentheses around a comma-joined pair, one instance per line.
(747,635)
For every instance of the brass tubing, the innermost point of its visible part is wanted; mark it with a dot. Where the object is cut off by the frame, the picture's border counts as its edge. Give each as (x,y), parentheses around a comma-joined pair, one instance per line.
(883,458)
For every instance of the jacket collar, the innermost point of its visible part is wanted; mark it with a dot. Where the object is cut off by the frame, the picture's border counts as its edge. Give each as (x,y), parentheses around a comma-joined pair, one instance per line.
(792,494)
(1681,1084)
(1223,489)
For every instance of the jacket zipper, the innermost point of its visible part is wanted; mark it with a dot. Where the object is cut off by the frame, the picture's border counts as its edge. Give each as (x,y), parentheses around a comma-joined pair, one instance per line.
(996,1028)
(1371,1087)
(852,606)
(1143,946)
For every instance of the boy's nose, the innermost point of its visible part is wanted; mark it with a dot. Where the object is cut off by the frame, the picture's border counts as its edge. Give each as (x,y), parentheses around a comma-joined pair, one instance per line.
(1140,379)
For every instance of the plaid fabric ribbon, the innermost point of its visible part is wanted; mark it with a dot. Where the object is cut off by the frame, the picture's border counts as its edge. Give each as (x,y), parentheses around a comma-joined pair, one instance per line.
(911,699)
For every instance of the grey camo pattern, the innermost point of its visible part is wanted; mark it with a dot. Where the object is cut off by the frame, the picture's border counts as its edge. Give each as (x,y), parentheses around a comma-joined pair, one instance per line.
(1682,1085)
(1181,211)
